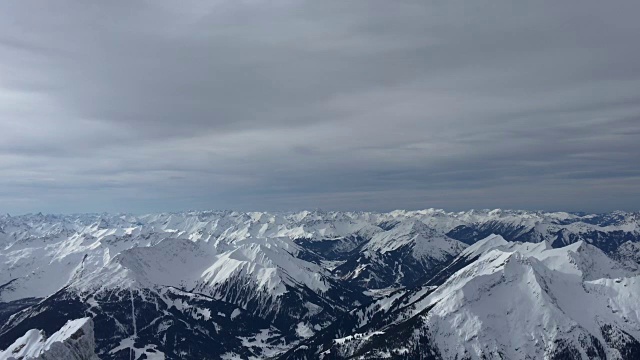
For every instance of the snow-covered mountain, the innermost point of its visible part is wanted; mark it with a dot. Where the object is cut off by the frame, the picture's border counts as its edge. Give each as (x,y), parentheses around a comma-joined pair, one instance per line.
(399,256)
(74,341)
(224,284)
(513,301)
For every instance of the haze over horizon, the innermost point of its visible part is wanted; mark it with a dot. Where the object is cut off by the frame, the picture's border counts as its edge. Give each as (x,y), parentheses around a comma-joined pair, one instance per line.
(361,105)
(267,211)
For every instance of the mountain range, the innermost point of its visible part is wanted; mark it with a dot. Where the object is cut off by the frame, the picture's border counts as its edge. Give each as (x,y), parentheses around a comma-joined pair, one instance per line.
(428,284)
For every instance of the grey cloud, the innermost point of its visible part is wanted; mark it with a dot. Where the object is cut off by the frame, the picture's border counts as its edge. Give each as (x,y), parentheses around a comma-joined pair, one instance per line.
(152,106)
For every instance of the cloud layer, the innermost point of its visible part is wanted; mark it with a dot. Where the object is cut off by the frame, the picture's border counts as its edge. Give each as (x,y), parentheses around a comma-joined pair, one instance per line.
(371,105)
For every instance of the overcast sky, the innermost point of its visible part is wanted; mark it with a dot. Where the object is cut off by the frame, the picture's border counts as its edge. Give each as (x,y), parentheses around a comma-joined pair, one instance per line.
(147,106)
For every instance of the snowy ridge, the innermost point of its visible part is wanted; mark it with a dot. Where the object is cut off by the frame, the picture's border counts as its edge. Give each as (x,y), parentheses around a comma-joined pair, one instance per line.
(74,341)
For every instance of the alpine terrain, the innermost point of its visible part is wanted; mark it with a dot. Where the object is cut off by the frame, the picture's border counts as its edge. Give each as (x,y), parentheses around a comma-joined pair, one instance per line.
(429,284)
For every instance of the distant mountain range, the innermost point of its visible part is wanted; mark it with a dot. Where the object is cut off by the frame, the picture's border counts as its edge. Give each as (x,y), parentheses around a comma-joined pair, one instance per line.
(429,284)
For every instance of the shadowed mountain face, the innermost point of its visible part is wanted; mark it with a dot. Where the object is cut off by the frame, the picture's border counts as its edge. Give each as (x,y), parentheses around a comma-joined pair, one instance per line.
(407,284)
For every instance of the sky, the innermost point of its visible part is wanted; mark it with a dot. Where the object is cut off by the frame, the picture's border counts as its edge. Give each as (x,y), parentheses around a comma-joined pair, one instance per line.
(149,106)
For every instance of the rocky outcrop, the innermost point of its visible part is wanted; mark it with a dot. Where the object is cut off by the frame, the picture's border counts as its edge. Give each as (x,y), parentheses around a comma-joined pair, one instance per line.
(74,341)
